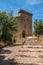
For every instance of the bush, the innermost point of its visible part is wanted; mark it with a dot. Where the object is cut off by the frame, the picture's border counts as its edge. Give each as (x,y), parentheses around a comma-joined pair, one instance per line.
(23,34)
(14,40)
(0,38)
(7,38)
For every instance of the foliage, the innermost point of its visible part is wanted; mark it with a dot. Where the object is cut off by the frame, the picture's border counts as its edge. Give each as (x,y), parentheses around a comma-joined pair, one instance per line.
(23,34)
(38,27)
(8,25)
(14,40)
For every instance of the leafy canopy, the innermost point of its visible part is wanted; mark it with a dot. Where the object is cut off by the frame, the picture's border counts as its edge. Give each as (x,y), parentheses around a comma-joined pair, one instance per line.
(8,24)
(38,27)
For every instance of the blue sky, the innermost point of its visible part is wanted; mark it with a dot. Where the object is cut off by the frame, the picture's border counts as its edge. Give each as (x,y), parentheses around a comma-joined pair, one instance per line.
(33,6)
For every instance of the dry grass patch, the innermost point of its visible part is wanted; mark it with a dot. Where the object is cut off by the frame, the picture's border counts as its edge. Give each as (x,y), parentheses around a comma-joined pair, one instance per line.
(41,38)
(2,44)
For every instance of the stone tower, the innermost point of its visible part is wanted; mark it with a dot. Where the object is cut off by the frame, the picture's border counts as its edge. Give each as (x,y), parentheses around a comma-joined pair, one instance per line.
(24,22)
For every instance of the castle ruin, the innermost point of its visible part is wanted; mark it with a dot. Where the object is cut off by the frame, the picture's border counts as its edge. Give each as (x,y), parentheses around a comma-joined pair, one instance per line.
(24,22)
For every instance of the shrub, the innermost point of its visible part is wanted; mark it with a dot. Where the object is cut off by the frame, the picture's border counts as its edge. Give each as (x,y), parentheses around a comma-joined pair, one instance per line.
(7,38)
(0,38)
(23,34)
(14,40)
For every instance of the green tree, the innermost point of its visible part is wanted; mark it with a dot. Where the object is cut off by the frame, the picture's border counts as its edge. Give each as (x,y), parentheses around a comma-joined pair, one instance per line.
(38,28)
(8,25)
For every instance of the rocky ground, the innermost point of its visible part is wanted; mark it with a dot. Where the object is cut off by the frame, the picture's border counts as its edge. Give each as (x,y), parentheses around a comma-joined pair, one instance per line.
(28,53)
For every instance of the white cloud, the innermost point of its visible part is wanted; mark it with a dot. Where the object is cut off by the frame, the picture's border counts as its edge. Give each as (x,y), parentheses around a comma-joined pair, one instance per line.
(34,1)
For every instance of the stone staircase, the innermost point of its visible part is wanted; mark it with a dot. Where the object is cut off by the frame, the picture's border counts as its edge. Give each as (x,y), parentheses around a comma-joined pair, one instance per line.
(31,53)
(32,41)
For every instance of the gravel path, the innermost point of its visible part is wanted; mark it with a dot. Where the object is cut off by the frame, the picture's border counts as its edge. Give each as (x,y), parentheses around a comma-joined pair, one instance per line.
(27,54)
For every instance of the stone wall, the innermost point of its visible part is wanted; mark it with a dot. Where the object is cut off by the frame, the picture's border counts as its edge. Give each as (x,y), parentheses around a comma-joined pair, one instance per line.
(24,21)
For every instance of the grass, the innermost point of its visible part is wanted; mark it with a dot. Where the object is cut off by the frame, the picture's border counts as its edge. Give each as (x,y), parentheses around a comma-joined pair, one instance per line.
(2,44)
(41,38)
